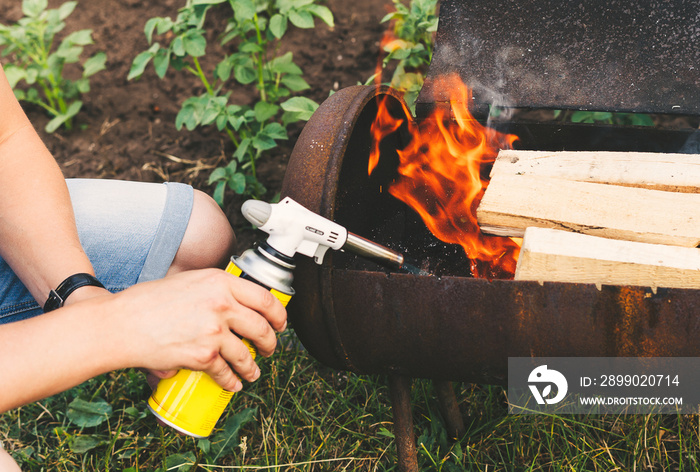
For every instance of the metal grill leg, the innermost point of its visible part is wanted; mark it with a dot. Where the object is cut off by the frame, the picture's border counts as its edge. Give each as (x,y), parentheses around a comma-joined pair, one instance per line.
(400,389)
(450,409)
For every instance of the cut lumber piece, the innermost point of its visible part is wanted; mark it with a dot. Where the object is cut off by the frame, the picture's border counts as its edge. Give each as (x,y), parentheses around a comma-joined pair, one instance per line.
(512,203)
(658,171)
(549,255)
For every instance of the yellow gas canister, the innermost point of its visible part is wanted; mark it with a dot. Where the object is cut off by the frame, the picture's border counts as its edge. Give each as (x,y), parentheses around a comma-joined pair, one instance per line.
(192,402)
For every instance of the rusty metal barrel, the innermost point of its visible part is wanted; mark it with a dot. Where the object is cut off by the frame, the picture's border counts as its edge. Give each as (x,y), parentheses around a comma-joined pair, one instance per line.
(356,317)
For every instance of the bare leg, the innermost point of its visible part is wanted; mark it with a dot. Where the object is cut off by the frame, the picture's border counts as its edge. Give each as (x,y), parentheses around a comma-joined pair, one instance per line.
(7,463)
(209,240)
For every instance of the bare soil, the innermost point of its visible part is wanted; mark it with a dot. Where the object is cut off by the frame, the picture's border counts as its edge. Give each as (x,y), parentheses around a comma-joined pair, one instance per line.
(126,128)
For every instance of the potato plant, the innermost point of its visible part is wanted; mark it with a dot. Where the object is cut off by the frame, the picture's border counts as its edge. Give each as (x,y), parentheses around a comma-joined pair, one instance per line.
(413,31)
(254,31)
(29,44)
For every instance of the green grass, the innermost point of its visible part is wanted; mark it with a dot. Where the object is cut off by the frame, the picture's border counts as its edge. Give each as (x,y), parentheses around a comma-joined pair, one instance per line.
(303,416)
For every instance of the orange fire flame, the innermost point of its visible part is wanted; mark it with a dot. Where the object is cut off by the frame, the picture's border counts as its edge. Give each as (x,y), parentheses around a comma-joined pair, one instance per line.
(441,176)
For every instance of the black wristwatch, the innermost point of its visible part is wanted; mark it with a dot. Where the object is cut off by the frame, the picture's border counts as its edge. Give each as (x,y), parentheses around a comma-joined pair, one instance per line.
(58,297)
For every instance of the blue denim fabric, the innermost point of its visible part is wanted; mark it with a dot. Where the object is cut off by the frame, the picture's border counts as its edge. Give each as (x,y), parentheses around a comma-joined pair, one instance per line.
(129,230)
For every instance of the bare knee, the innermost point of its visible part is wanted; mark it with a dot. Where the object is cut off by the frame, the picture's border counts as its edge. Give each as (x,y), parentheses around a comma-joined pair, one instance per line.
(209,240)
(7,463)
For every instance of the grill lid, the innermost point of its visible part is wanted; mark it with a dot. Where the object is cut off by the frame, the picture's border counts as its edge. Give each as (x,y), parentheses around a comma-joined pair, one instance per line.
(604,55)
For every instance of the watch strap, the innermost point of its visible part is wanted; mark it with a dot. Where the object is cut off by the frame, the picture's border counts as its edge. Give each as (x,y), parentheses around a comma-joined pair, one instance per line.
(58,297)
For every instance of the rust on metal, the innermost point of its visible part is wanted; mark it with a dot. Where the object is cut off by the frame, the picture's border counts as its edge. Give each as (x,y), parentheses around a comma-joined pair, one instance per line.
(452,328)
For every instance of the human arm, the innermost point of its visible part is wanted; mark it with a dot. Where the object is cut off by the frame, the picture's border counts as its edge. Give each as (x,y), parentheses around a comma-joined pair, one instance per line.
(183,321)
(38,236)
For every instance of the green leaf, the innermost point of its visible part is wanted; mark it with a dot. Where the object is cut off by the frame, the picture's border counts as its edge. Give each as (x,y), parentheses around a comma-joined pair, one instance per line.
(138,66)
(236,121)
(244,73)
(237,183)
(262,142)
(68,53)
(178,63)
(275,131)
(86,414)
(83,85)
(582,117)
(33,8)
(305,107)
(204,445)
(14,74)
(161,61)
(95,64)
(284,65)
(210,114)
(186,116)
(243,10)
(217,174)
(264,111)
(223,69)
(80,38)
(178,46)
(278,25)
(226,441)
(300,3)
(221,121)
(66,9)
(250,47)
(242,149)
(295,83)
(208,2)
(149,28)
(641,119)
(602,116)
(301,19)
(323,12)
(254,187)
(195,44)
(219,192)
(58,120)
(84,443)
(33,95)
(164,25)
(180,462)
(390,16)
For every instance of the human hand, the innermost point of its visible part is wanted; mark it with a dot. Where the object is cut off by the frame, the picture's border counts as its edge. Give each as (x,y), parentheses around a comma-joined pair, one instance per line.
(188,321)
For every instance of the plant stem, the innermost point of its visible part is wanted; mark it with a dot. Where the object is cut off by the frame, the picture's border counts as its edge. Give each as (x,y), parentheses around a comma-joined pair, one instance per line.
(253,158)
(45,106)
(232,136)
(202,76)
(260,60)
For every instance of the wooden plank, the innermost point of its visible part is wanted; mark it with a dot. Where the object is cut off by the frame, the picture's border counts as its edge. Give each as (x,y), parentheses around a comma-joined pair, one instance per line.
(559,256)
(658,171)
(512,203)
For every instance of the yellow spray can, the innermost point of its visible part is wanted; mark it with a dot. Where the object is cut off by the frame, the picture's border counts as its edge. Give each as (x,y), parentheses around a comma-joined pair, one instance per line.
(192,402)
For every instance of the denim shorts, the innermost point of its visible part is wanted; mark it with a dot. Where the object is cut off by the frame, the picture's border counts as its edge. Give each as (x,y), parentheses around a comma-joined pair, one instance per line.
(129,230)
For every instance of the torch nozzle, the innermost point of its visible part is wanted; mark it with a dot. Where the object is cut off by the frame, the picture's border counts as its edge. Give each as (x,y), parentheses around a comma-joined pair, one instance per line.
(294,229)
(380,254)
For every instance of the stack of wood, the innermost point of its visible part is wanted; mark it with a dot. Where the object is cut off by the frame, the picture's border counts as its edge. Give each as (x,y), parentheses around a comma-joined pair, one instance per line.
(621,218)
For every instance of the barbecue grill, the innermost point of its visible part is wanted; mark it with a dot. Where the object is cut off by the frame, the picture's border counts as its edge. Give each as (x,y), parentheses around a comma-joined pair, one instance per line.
(617,56)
